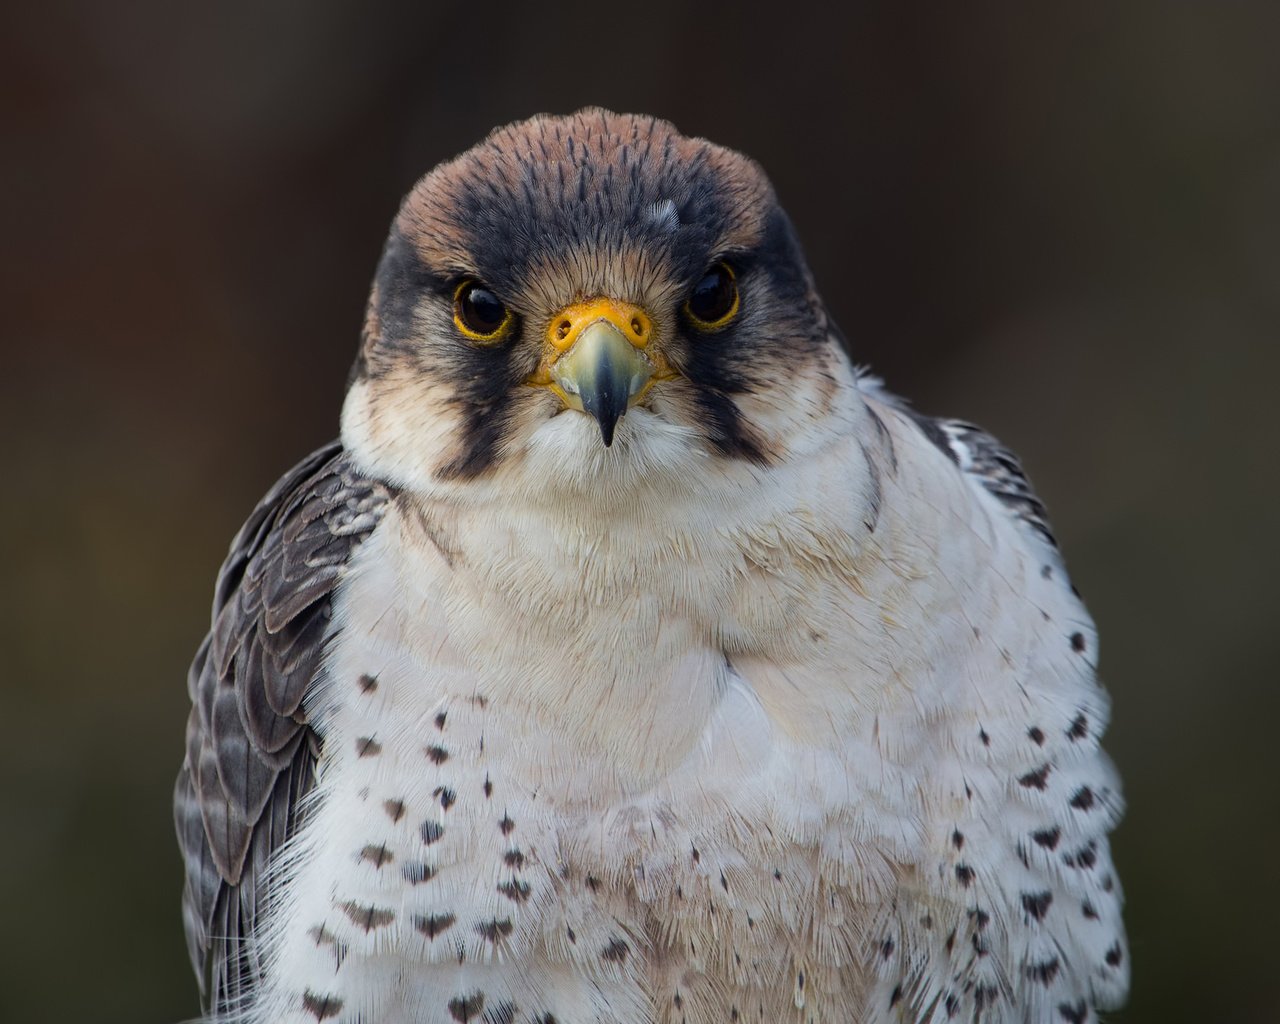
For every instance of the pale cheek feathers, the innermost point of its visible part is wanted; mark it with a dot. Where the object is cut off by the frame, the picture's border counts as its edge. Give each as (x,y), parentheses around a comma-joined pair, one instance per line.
(408,427)
(802,404)
(401,427)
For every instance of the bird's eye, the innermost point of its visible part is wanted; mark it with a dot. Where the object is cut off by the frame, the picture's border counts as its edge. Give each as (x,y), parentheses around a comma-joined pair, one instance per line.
(714,299)
(479,314)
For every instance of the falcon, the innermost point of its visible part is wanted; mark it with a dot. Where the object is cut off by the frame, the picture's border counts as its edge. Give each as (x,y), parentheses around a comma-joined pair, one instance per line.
(634,659)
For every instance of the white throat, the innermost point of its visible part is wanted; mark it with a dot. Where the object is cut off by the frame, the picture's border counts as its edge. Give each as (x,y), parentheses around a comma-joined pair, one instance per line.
(618,579)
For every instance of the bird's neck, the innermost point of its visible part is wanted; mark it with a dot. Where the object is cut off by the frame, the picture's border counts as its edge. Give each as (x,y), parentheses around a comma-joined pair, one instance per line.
(615,621)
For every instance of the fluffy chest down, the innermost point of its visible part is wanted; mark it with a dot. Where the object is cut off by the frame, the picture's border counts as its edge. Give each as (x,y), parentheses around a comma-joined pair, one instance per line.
(566,814)
(594,800)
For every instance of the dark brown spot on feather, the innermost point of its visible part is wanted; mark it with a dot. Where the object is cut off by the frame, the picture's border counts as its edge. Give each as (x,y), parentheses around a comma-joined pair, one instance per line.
(1037,904)
(431,832)
(446,796)
(1079,728)
(368,917)
(377,855)
(1044,972)
(367,746)
(498,928)
(1036,736)
(394,809)
(1077,642)
(440,720)
(513,858)
(515,890)
(367,683)
(466,1008)
(1083,799)
(432,925)
(1085,857)
(437,754)
(322,936)
(416,872)
(1076,1013)
(321,1007)
(1047,837)
(1036,779)
(616,952)
(506,826)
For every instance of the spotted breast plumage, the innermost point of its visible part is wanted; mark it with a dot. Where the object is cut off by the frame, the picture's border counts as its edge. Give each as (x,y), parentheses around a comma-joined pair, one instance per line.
(632,658)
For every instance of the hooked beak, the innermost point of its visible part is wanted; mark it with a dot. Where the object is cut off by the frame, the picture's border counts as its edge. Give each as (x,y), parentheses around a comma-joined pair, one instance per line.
(596,360)
(604,372)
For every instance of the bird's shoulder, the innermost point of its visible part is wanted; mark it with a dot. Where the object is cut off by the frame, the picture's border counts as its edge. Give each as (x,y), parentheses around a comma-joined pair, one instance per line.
(250,752)
(980,456)
(992,464)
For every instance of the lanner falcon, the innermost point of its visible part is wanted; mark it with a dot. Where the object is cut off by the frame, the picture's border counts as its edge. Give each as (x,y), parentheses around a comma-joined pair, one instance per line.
(634,659)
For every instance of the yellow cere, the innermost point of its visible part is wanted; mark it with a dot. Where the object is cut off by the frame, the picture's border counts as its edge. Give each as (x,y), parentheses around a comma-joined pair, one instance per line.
(630,319)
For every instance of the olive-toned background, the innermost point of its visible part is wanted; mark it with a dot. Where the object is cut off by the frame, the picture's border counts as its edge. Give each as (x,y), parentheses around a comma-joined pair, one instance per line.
(1063,223)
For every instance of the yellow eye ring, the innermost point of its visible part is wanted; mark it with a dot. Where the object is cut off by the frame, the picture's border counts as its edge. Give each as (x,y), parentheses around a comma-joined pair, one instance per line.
(479,314)
(714,300)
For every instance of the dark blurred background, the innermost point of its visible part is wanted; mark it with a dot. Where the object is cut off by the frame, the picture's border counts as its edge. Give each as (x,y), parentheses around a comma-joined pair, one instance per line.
(1061,221)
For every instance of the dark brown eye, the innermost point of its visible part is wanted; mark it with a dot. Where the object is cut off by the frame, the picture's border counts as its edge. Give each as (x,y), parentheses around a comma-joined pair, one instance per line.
(479,314)
(714,299)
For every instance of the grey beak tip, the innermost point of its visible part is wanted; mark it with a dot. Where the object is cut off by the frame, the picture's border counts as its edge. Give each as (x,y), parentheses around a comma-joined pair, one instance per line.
(604,371)
(608,404)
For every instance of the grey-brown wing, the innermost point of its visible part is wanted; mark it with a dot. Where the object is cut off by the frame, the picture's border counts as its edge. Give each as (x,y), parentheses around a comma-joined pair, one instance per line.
(250,754)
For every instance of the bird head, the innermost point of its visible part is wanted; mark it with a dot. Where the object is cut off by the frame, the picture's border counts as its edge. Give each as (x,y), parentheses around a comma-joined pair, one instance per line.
(589,300)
